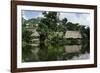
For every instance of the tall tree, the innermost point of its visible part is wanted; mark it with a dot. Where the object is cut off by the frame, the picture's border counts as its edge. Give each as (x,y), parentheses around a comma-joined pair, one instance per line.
(47,25)
(50,24)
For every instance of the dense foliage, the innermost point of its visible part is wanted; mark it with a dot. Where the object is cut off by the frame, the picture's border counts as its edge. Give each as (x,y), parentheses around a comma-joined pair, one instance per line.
(51,32)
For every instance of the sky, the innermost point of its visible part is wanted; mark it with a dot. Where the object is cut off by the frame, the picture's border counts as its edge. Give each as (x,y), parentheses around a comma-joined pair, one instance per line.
(28,14)
(81,18)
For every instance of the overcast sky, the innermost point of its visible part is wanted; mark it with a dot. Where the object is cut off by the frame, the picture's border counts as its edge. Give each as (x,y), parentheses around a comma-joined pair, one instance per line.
(81,18)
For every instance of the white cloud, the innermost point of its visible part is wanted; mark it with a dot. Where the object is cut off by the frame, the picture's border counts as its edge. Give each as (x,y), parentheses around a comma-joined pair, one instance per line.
(40,15)
(23,15)
(81,18)
(27,14)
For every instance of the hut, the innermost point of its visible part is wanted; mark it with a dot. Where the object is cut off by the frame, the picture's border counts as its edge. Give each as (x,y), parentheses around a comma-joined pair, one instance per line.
(72,34)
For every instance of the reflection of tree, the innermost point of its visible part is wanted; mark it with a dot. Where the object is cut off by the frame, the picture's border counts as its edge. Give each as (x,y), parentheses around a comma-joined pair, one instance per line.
(50,52)
(68,56)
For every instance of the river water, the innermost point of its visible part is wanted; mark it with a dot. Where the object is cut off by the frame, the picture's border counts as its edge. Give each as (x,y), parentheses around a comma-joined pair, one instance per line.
(54,52)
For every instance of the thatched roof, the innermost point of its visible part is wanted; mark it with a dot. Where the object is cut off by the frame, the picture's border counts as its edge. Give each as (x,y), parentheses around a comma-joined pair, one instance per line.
(35,33)
(73,34)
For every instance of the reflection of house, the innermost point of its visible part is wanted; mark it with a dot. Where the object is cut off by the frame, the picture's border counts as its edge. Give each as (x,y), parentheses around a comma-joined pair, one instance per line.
(72,48)
(72,34)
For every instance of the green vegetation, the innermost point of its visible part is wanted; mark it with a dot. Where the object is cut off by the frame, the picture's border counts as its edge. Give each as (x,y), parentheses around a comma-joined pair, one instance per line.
(51,32)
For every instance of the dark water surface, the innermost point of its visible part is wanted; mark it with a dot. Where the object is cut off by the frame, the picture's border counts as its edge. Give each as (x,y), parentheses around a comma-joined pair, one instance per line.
(56,52)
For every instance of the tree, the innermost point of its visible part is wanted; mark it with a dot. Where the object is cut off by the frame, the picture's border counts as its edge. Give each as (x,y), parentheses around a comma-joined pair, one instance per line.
(72,26)
(26,41)
(47,25)
(50,26)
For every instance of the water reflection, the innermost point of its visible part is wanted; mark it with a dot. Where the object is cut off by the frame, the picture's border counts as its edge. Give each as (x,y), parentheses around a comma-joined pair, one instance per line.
(72,48)
(56,52)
